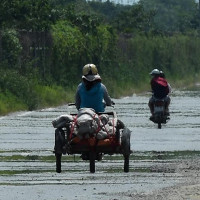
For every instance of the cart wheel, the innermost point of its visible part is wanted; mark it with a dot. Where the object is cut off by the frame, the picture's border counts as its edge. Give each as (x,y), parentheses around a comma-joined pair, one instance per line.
(92,162)
(59,142)
(126,149)
(58,162)
(126,163)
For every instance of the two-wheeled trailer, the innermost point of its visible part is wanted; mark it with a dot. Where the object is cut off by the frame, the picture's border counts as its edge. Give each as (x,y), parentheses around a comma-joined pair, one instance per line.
(92,148)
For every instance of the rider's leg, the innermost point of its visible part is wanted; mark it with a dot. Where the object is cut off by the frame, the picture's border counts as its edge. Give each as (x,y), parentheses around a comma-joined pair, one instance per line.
(151,106)
(167,105)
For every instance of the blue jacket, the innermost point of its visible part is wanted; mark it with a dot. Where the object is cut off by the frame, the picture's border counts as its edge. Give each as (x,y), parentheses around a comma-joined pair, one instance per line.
(92,98)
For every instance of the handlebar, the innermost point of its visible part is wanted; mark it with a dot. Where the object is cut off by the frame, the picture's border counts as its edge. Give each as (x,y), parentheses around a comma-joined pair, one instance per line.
(112,103)
(73,104)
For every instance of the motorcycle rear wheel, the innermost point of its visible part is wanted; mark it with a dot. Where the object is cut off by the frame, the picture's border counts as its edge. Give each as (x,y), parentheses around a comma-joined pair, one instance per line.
(59,142)
(126,163)
(126,149)
(58,162)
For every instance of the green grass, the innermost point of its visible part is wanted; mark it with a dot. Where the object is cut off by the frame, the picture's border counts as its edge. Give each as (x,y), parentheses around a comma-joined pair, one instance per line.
(10,103)
(15,172)
(149,156)
(46,96)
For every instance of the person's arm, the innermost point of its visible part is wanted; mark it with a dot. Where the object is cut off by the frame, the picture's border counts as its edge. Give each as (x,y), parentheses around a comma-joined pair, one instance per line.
(77,98)
(170,88)
(152,85)
(106,96)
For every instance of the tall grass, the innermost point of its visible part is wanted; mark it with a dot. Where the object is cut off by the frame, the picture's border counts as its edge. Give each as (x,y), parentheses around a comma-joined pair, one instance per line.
(10,103)
(53,95)
(178,56)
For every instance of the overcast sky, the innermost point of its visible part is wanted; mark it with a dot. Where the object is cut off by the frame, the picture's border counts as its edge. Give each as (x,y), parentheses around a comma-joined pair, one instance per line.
(129,2)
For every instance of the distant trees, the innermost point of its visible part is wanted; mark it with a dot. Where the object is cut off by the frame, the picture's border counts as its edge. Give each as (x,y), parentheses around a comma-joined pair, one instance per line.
(172,15)
(10,49)
(47,42)
(53,38)
(155,16)
(26,14)
(83,31)
(134,20)
(73,46)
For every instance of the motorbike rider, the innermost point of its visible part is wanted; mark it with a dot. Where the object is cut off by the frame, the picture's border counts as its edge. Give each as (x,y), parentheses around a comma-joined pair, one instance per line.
(91,93)
(160,89)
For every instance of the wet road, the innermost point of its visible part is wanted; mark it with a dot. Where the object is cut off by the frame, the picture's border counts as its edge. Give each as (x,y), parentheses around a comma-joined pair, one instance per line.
(27,166)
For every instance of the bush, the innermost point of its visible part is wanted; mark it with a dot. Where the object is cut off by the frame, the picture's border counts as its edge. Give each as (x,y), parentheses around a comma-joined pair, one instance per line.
(20,86)
(11,48)
(52,95)
(68,49)
(10,103)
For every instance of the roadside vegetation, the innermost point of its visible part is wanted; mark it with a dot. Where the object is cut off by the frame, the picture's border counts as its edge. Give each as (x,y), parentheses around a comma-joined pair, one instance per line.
(45,43)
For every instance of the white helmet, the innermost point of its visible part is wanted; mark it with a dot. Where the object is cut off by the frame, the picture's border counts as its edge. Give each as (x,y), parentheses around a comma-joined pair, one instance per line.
(90,73)
(155,72)
(90,69)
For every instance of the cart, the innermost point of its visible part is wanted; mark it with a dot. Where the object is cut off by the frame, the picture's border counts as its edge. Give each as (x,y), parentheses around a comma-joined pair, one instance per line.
(91,148)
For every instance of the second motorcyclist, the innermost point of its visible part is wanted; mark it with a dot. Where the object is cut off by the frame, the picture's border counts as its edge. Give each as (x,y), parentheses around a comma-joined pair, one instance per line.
(160,89)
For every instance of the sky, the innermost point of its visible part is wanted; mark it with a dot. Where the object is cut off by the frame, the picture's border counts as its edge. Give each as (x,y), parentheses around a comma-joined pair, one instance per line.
(125,2)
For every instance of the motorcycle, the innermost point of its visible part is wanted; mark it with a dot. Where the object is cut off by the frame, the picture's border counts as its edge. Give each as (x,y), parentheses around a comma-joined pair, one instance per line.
(159,115)
(106,135)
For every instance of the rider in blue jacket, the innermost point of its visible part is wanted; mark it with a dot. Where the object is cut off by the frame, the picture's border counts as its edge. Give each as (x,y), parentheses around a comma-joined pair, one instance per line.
(91,93)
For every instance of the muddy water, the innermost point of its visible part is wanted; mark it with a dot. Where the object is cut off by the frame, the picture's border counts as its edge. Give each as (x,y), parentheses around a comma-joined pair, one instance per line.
(27,165)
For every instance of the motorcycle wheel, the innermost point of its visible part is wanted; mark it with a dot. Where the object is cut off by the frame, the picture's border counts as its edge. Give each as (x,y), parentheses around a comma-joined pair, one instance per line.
(59,141)
(92,161)
(126,163)
(126,148)
(58,162)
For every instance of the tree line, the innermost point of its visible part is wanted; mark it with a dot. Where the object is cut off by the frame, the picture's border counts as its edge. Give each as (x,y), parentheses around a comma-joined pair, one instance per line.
(45,43)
